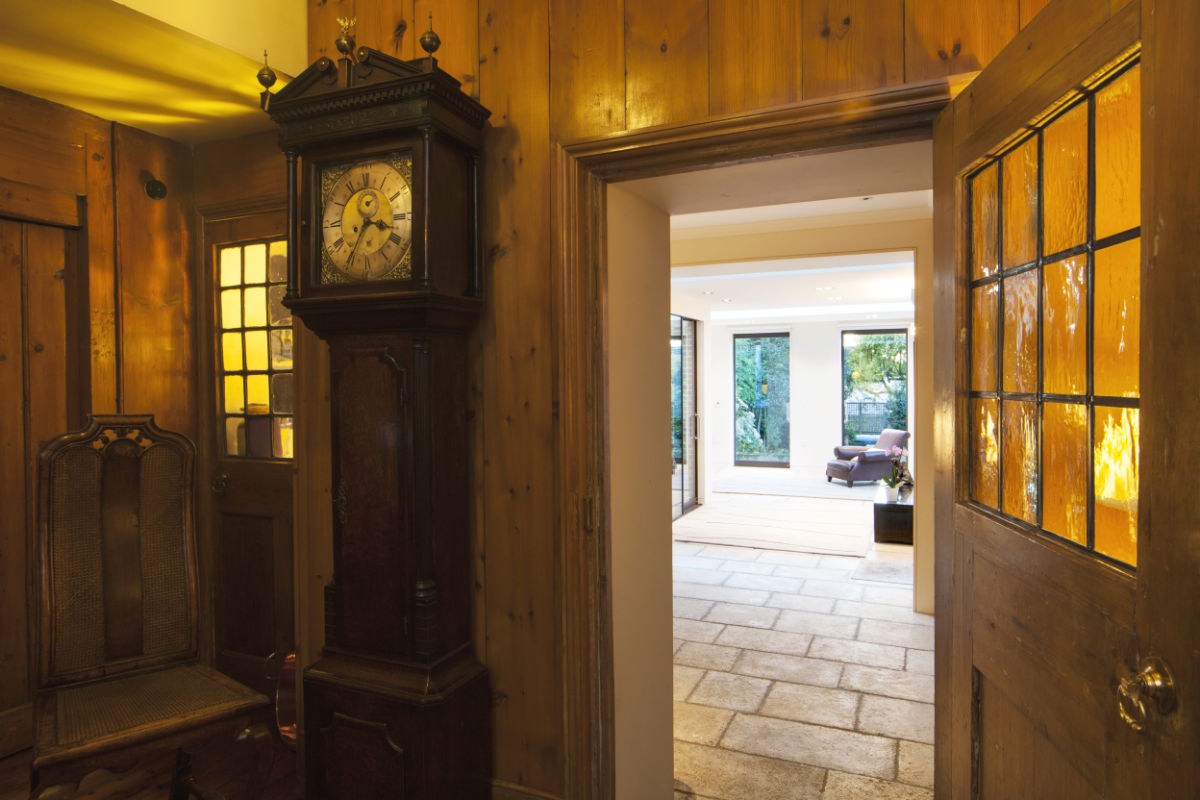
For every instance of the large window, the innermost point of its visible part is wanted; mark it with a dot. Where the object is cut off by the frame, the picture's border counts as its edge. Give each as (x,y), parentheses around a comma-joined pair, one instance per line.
(684,459)
(874,384)
(760,403)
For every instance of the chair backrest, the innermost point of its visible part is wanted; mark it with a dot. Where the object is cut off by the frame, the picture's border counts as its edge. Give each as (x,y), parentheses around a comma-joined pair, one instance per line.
(116,556)
(890,437)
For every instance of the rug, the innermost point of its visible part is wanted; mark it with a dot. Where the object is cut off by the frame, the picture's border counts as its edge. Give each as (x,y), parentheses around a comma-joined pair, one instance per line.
(772,522)
(808,482)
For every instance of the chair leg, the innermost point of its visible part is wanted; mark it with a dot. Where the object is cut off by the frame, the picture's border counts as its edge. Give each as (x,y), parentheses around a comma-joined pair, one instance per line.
(850,484)
(829,479)
(260,737)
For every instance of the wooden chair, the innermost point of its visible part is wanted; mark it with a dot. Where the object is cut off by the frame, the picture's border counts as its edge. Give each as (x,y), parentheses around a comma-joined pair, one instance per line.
(115,565)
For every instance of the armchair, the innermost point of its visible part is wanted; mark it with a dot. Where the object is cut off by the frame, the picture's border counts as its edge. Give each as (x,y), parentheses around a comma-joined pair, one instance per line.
(864,464)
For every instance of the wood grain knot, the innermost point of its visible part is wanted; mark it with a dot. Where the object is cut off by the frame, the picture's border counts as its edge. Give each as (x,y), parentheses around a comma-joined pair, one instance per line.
(662,48)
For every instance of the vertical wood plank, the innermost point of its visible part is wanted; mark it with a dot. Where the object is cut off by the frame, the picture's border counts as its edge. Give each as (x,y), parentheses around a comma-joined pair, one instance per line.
(1030,8)
(948,37)
(666,62)
(587,69)
(852,45)
(378,22)
(156,280)
(323,26)
(102,310)
(457,25)
(14,641)
(522,614)
(754,54)
(46,350)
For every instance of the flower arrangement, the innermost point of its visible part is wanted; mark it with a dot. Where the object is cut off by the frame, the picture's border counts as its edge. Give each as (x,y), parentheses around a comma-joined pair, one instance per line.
(899,476)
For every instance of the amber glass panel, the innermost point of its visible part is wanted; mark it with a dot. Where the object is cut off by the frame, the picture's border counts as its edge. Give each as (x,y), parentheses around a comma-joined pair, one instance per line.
(281,349)
(256,307)
(983,223)
(983,337)
(231,266)
(1020,333)
(1020,467)
(1118,319)
(1118,154)
(258,400)
(256,263)
(281,393)
(1064,326)
(281,440)
(1116,474)
(1064,181)
(256,350)
(231,351)
(277,264)
(231,308)
(1020,204)
(986,452)
(235,400)
(278,313)
(1064,470)
(235,436)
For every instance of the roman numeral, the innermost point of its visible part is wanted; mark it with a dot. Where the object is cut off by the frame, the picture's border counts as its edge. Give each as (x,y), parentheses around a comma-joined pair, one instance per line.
(402,215)
(393,197)
(338,242)
(366,176)
(395,237)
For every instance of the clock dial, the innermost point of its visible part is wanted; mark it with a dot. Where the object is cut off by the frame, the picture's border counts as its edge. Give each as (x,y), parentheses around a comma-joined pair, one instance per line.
(366,220)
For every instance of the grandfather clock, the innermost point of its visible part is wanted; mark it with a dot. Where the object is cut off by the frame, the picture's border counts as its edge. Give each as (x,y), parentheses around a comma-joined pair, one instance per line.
(383,235)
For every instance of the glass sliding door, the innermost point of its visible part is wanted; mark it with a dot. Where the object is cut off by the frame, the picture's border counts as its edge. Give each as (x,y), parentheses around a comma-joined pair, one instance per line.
(761,390)
(684,460)
(874,384)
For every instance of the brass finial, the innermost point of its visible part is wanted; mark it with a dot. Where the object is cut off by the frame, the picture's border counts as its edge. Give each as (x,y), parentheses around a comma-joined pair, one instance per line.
(266,77)
(430,41)
(345,42)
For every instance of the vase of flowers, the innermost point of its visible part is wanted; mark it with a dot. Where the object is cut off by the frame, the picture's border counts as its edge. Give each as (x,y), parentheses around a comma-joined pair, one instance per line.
(899,474)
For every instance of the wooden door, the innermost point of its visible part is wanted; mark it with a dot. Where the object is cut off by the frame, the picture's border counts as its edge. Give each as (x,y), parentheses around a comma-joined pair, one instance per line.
(1066,345)
(250,469)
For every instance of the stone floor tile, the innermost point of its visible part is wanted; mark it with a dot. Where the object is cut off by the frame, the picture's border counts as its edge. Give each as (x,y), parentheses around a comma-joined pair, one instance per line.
(920,661)
(713,772)
(706,656)
(886,594)
(897,633)
(746,616)
(888,682)
(768,641)
(812,744)
(728,553)
(816,573)
(794,669)
(771,583)
(833,707)
(842,786)
(712,577)
(900,719)
(685,679)
(697,631)
(855,608)
(725,690)
(820,624)
(836,589)
(788,557)
(726,594)
(696,562)
(801,602)
(676,644)
(915,765)
(700,724)
(691,608)
(686,548)
(855,652)
(752,567)
(839,562)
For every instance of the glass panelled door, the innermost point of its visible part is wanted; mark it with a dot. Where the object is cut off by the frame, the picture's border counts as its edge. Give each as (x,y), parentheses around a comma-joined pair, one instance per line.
(684,460)
(761,435)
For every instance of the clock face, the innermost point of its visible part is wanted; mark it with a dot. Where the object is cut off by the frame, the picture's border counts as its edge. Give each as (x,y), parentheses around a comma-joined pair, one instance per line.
(366,220)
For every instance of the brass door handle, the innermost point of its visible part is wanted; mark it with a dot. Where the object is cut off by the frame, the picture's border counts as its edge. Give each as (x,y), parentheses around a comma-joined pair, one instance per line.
(220,482)
(1150,688)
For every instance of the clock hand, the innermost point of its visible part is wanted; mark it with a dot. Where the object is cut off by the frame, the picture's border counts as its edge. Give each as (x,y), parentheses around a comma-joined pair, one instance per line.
(357,242)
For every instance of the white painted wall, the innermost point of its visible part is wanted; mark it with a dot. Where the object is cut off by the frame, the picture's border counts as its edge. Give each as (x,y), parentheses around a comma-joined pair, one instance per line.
(640,490)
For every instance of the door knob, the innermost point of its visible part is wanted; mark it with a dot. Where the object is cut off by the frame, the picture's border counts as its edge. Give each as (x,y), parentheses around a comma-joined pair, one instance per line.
(1152,687)
(220,482)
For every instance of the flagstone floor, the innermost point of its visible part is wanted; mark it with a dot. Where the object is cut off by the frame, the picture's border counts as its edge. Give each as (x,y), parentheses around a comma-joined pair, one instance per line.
(796,680)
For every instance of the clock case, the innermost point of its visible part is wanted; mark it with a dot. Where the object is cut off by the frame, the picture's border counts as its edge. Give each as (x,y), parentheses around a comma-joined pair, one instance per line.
(360,109)
(397,706)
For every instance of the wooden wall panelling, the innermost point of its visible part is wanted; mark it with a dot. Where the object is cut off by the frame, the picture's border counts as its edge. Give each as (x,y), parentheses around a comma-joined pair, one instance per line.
(155,241)
(377,26)
(39,143)
(101,267)
(948,37)
(323,25)
(851,45)
(587,69)
(522,620)
(238,176)
(666,62)
(48,355)
(457,25)
(754,54)
(1030,8)
(16,715)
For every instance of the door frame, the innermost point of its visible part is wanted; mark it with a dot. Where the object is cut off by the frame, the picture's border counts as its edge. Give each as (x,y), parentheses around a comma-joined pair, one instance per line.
(582,172)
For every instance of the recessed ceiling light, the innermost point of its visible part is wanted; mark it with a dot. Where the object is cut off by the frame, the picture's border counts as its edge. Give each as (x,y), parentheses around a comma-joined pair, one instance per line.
(708,291)
(726,300)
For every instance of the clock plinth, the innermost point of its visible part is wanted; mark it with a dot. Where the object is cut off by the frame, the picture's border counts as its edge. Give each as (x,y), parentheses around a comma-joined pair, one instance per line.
(383,200)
